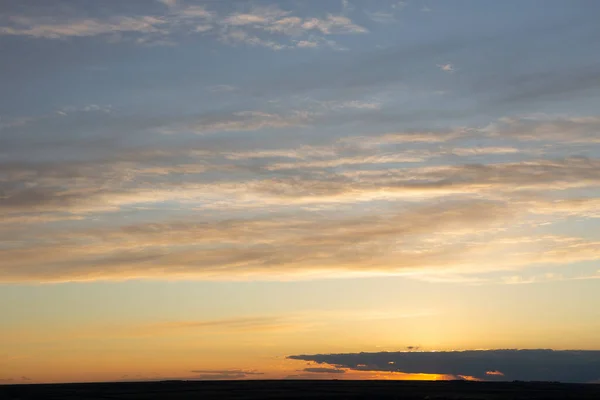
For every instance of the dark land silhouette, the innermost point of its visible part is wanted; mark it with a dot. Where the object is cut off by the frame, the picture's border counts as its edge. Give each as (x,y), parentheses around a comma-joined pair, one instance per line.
(303,389)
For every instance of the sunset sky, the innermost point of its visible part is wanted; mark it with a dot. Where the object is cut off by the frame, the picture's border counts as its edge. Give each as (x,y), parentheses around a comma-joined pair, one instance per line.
(246,189)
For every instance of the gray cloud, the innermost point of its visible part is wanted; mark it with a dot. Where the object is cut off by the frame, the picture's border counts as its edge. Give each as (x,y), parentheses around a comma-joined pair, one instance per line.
(528,365)
(549,128)
(322,370)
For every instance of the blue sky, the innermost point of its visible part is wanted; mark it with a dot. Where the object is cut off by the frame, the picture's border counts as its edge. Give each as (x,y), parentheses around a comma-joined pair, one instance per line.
(236,152)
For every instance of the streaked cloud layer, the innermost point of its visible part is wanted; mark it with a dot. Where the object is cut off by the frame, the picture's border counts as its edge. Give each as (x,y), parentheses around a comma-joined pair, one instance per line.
(165,24)
(353,156)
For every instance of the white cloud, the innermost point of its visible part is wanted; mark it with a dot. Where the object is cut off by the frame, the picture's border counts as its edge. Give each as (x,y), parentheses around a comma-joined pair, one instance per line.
(333,24)
(249,28)
(195,12)
(306,43)
(446,67)
(258,16)
(289,26)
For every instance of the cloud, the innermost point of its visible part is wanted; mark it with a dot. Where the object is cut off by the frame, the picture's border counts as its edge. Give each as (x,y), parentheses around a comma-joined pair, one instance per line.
(588,207)
(203,28)
(227,374)
(307,43)
(243,324)
(271,194)
(486,90)
(88,108)
(259,16)
(239,36)
(226,371)
(333,24)
(291,247)
(250,121)
(446,67)
(248,27)
(479,204)
(260,26)
(195,12)
(404,137)
(50,29)
(320,370)
(548,128)
(527,365)
(494,373)
(470,178)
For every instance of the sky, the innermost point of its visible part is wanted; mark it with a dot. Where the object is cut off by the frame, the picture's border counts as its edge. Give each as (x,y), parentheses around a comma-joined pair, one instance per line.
(299,189)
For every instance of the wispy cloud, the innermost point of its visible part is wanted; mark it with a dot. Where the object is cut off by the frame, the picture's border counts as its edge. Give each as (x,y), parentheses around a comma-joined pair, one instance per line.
(241,197)
(246,27)
(224,374)
(446,67)
(49,29)
(323,370)
(258,26)
(289,247)
(548,128)
(243,324)
(250,121)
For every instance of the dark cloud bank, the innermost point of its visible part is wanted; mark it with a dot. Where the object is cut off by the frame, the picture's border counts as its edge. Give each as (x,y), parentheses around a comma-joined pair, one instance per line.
(580,366)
